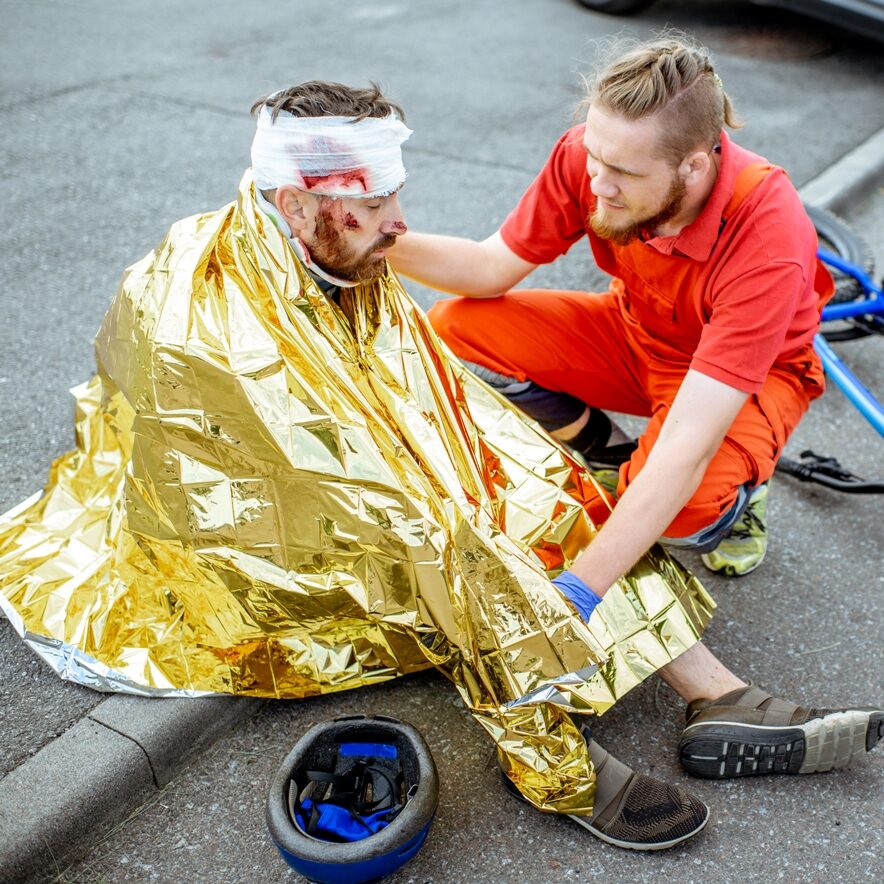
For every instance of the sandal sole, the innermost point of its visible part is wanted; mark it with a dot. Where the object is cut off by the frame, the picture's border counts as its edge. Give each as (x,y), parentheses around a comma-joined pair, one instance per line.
(725,749)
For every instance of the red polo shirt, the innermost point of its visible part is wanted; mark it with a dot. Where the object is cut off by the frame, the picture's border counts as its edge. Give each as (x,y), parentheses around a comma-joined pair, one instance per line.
(729,296)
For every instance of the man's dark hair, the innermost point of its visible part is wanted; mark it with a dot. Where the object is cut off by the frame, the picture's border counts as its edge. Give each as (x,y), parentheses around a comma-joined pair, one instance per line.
(316,98)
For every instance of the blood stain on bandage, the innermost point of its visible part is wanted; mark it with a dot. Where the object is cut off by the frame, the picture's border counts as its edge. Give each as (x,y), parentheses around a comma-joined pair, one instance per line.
(343,180)
(330,164)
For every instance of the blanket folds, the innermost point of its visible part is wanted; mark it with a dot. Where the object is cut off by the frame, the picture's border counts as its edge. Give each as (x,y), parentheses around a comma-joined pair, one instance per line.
(276,495)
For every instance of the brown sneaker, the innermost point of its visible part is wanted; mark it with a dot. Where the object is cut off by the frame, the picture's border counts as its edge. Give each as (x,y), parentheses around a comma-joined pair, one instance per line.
(637,812)
(747,732)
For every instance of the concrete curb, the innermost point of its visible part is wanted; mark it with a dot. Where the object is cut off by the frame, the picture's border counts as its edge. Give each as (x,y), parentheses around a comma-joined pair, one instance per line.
(59,803)
(850,178)
(55,806)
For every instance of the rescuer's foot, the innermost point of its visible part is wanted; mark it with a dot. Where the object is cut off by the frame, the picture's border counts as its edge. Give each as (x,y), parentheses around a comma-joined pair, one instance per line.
(747,732)
(603,447)
(607,478)
(743,549)
(637,812)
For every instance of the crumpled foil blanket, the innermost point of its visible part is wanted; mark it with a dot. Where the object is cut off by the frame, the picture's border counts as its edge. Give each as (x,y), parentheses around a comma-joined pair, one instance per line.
(275,495)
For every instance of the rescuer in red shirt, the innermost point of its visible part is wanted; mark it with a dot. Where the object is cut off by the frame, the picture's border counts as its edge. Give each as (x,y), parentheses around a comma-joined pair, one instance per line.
(706,329)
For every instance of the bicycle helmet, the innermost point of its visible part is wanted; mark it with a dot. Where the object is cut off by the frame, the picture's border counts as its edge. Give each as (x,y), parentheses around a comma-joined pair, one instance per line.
(354,800)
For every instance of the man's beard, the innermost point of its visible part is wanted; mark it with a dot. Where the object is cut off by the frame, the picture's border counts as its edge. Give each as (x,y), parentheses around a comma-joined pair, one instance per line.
(625,234)
(331,251)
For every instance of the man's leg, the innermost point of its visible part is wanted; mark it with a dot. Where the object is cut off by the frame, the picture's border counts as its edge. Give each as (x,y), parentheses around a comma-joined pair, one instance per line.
(559,356)
(774,414)
(699,675)
(732,493)
(736,730)
(563,357)
(572,344)
(550,354)
(736,543)
(592,434)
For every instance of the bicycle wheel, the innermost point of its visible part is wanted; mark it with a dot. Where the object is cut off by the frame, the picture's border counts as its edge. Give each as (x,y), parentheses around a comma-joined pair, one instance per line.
(615,7)
(837,237)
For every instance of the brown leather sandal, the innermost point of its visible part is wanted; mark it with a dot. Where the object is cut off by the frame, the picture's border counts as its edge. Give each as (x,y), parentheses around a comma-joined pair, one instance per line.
(748,732)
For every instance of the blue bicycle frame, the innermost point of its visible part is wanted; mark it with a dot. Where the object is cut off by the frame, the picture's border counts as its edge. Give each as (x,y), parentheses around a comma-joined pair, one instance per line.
(871,305)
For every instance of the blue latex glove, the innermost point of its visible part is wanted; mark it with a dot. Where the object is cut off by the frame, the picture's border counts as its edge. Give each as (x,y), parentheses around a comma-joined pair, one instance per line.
(577,592)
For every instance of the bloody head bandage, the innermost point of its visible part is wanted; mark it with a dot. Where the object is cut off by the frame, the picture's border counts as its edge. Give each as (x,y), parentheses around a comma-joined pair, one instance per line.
(330,156)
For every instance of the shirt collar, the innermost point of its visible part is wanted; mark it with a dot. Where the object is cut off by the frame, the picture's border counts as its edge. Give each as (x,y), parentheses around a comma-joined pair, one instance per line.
(698,238)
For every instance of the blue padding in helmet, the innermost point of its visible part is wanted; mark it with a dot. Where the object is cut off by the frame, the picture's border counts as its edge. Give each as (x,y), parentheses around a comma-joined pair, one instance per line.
(369,750)
(339,822)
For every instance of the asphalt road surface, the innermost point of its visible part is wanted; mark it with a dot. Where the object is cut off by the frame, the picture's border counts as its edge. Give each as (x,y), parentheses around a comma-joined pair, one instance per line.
(119,119)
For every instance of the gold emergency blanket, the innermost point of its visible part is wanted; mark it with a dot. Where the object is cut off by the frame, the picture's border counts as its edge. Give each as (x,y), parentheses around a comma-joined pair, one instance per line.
(276,496)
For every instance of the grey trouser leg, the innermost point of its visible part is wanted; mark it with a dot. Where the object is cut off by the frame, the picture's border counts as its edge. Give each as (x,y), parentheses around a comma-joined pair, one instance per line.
(550,409)
(706,539)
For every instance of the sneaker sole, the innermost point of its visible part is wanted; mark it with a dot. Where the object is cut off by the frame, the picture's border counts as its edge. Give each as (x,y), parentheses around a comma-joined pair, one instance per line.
(586,823)
(633,845)
(731,570)
(725,749)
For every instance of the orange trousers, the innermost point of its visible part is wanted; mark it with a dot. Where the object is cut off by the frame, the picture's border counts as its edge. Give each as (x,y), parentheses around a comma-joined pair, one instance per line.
(589,346)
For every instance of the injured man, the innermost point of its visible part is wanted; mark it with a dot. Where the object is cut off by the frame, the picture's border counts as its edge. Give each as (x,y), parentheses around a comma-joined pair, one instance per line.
(285,485)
